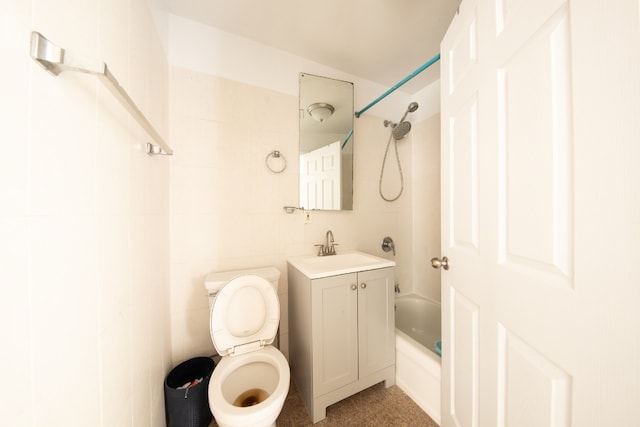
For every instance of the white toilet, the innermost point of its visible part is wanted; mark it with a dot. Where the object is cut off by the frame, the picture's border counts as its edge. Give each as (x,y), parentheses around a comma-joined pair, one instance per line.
(249,385)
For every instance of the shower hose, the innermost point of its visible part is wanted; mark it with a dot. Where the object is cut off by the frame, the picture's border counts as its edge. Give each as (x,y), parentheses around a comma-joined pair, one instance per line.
(384,161)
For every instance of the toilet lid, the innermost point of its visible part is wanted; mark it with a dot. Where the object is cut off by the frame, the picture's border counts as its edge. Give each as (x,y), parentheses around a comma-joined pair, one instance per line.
(244,315)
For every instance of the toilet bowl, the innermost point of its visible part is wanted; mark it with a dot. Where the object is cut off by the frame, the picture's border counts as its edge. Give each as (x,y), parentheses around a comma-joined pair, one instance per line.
(249,390)
(250,383)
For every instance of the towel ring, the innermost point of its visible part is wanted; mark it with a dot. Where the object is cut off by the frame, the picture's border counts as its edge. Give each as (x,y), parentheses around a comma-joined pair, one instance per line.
(276,155)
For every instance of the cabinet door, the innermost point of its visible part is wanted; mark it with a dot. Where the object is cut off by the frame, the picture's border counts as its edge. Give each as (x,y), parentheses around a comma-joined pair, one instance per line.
(334,313)
(376,320)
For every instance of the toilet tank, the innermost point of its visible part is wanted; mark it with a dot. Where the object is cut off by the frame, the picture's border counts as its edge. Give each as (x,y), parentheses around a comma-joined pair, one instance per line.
(216,280)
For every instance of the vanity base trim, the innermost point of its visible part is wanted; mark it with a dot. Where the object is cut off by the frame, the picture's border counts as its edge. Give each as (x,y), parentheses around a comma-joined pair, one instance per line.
(318,412)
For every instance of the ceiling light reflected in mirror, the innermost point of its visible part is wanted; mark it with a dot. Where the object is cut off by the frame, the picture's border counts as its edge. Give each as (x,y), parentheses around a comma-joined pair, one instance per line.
(320,111)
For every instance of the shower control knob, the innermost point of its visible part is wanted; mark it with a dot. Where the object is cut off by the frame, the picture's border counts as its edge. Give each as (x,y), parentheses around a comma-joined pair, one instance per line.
(440,263)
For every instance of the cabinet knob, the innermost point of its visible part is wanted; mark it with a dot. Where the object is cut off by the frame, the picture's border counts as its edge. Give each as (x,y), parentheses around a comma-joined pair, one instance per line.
(353,287)
(363,285)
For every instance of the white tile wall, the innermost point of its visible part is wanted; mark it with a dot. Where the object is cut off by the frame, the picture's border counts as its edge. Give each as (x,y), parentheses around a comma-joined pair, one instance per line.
(226,206)
(84,221)
(104,250)
(426,226)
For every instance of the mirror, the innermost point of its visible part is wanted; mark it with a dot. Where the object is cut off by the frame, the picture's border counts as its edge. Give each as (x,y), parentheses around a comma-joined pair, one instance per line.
(326,143)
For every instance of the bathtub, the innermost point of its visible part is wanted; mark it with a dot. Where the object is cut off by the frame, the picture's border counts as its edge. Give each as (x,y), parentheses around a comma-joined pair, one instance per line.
(417,365)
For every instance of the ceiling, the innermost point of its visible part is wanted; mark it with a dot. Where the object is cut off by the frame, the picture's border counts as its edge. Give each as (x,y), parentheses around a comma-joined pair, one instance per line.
(378,40)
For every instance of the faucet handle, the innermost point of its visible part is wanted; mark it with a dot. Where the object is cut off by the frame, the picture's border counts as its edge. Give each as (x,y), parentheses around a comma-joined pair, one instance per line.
(320,249)
(332,249)
(387,245)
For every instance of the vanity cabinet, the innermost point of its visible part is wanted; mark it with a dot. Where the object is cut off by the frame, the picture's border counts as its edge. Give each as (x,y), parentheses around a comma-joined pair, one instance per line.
(341,335)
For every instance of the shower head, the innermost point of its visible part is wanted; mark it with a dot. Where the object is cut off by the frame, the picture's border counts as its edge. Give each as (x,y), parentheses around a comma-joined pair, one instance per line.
(401,130)
(403,127)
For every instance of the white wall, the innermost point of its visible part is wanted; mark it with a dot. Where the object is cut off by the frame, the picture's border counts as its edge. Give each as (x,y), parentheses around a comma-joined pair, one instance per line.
(228,110)
(84,226)
(208,50)
(426,213)
(84,213)
(226,206)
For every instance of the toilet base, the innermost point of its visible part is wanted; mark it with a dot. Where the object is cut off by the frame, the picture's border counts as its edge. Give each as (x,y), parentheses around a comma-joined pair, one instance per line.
(224,425)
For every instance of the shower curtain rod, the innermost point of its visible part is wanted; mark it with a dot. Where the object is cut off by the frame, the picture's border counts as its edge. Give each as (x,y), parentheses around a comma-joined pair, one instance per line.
(56,60)
(349,135)
(400,83)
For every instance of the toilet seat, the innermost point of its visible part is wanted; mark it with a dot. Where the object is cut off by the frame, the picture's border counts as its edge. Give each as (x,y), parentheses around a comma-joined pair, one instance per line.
(244,316)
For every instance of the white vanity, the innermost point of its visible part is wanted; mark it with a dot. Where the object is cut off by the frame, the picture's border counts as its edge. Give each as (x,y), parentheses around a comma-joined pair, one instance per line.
(341,326)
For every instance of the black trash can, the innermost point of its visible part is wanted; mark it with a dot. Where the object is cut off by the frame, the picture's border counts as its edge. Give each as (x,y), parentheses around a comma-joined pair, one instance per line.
(186,389)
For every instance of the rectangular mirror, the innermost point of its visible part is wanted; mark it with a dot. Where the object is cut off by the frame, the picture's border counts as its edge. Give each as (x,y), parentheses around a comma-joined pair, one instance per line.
(326,143)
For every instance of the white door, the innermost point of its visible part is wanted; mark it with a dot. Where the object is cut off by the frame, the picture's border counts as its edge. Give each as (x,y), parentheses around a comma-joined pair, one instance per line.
(321,177)
(541,214)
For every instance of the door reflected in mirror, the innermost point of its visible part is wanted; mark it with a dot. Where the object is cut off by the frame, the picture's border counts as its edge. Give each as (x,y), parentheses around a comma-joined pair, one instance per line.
(326,143)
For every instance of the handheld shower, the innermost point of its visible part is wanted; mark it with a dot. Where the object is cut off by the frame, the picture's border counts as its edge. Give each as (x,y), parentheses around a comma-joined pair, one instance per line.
(398,131)
(410,109)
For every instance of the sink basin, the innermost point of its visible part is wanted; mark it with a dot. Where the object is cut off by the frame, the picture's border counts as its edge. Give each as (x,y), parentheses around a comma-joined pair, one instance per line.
(315,267)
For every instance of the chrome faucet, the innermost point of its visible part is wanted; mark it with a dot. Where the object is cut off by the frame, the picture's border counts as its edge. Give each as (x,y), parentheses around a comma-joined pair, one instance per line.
(329,239)
(329,248)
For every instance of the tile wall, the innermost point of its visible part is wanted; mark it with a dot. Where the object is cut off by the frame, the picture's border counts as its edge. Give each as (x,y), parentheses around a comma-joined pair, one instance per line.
(104,250)
(226,206)
(84,221)
(426,222)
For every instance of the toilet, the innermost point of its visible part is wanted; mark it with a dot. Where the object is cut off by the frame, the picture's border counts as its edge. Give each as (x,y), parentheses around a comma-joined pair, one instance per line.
(250,383)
